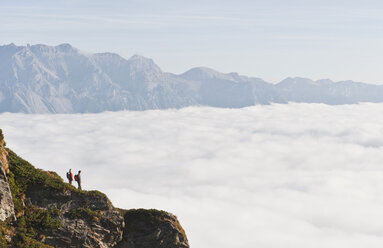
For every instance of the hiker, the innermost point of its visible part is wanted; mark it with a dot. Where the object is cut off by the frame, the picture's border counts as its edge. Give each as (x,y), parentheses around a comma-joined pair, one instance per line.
(77,178)
(69,175)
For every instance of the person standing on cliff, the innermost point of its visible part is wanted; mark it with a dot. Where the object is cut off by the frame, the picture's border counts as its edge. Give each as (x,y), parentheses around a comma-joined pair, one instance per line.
(69,175)
(78,179)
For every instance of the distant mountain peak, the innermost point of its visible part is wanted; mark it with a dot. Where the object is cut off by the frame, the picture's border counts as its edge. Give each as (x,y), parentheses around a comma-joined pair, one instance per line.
(206,73)
(202,69)
(107,54)
(41,48)
(302,80)
(140,59)
(141,63)
(65,47)
(203,73)
(10,45)
(296,80)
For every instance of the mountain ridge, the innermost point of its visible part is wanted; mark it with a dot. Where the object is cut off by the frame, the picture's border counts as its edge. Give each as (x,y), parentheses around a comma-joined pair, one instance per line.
(63,79)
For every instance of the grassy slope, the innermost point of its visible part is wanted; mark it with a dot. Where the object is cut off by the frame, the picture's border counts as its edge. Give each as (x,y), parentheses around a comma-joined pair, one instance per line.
(30,219)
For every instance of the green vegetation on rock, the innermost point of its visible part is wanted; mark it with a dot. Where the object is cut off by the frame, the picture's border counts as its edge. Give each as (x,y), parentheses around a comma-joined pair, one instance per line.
(26,175)
(26,242)
(152,228)
(151,216)
(30,219)
(84,213)
(1,136)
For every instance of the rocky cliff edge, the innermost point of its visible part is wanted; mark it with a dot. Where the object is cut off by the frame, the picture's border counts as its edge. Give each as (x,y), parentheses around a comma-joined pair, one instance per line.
(37,209)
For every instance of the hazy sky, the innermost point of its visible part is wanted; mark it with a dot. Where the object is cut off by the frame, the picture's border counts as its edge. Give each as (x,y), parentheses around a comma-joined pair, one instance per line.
(272,39)
(290,175)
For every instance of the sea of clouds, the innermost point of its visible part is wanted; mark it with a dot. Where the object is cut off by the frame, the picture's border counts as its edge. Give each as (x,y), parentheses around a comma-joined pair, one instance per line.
(294,175)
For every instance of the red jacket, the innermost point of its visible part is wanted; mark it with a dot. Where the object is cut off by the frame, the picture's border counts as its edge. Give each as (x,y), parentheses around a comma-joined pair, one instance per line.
(69,175)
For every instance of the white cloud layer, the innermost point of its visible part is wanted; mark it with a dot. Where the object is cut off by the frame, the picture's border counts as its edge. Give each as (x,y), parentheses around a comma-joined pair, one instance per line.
(296,175)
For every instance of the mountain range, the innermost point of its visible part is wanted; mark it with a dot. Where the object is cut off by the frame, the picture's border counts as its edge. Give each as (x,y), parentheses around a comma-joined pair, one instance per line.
(63,79)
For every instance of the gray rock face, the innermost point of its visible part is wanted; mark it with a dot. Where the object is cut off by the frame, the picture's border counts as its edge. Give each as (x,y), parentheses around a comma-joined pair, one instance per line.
(6,203)
(87,219)
(62,79)
(7,209)
(152,229)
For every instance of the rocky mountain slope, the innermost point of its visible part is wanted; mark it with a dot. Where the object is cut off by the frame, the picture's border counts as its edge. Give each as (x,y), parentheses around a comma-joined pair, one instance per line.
(62,79)
(37,209)
(7,208)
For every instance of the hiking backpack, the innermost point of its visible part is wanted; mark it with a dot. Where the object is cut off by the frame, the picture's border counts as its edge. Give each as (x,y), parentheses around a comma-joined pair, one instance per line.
(76,178)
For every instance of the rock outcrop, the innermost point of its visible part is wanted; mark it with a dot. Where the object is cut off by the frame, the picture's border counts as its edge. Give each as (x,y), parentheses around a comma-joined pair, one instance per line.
(86,219)
(3,154)
(37,209)
(152,229)
(6,202)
